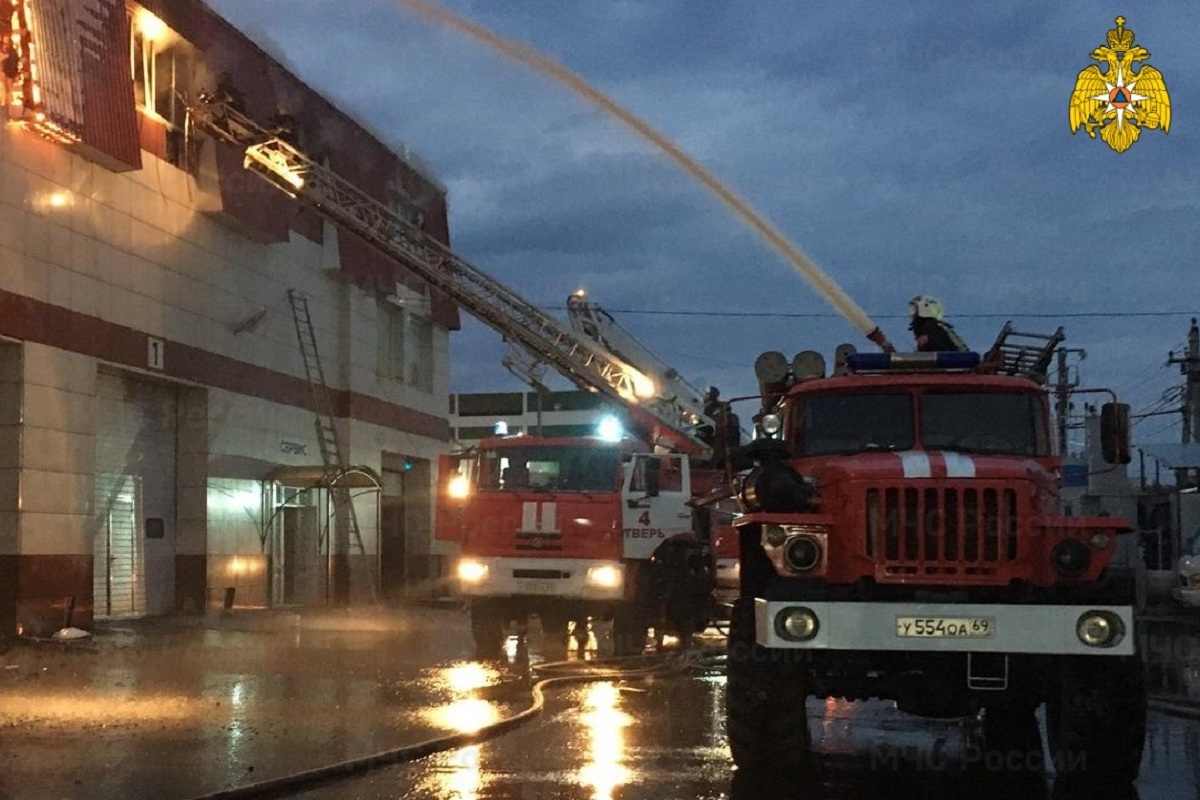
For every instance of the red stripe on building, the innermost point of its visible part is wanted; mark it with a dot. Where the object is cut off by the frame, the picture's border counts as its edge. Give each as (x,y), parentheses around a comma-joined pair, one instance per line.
(32,320)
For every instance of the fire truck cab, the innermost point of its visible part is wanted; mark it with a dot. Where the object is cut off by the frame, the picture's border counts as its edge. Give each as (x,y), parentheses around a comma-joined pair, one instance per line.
(901,538)
(573,528)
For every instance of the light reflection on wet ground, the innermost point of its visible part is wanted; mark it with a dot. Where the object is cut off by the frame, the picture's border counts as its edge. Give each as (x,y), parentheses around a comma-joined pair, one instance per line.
(1172,656)
(174,713)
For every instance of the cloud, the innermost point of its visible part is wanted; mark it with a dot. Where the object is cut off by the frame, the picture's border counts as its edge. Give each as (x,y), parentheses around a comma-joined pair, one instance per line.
(905,147)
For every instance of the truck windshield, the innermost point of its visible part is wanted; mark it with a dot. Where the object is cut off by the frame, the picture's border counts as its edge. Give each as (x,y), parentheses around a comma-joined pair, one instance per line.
(982,422)
(853,423)
(576,468)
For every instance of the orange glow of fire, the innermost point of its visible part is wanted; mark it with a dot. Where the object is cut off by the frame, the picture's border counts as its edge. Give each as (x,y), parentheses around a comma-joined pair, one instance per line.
(26,88)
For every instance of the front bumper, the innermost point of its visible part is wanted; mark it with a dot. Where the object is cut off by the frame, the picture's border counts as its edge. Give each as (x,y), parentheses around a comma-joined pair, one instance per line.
(1041,629)
(543,577)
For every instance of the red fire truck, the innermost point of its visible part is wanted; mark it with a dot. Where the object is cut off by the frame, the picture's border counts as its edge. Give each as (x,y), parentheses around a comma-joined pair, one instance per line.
(902,539)
(572,528)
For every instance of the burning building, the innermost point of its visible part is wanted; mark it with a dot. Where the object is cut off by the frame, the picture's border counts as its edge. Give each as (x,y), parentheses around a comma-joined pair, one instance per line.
(208,394)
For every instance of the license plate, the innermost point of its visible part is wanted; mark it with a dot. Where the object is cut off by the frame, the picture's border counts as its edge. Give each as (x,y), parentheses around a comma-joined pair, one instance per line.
(945,627)
(535,587)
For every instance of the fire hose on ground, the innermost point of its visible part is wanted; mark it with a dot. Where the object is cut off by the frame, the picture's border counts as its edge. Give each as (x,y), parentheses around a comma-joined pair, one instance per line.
(557,673)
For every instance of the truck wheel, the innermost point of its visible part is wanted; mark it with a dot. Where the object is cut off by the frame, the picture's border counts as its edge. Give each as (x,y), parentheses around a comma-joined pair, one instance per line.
(1010,730)
(766,719)
(487,628)
(629,632)
(554,636)
(1096,718)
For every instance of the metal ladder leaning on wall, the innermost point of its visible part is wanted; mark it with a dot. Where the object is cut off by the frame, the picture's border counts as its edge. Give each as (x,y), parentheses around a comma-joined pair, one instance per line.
(333,453)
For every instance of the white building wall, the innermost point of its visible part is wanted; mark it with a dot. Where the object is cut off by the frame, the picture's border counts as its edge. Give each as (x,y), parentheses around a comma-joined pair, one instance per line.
(133,249)
(57,452)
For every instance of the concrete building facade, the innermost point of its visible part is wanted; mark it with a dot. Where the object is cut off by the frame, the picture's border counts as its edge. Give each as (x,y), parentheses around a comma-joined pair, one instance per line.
(158,451)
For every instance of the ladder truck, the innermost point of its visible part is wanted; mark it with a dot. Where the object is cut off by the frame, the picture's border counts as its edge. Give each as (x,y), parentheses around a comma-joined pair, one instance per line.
(902,539)
(704,413)
(572,528)
(564,529)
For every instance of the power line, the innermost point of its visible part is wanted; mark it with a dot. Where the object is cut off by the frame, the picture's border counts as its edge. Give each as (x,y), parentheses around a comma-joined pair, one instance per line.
(828,315)
(1142,377)
(1162,429)
(1160,413)
(1167,396)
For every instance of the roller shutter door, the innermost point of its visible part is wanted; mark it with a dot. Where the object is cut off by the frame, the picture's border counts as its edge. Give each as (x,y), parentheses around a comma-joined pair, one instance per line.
(134,544)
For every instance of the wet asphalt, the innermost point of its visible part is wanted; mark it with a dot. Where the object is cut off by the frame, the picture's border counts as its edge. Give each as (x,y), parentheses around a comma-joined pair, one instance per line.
(186,707)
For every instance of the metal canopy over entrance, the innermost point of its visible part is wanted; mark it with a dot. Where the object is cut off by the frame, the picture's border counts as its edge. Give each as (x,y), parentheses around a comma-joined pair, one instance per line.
(306,556)
(318,477)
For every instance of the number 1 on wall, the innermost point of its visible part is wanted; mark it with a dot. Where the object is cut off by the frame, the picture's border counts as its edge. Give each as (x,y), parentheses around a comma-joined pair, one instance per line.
(154,352)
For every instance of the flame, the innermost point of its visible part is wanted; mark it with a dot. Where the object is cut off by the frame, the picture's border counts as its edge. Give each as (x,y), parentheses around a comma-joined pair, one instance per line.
(149,26)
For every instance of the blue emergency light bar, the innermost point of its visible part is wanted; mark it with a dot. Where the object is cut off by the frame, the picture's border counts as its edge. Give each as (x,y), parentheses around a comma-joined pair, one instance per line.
(897,362)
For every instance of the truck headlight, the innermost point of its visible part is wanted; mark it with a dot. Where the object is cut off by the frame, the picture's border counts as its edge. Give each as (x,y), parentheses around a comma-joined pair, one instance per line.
(472,571)
(605,576)
(771,424)
(1071,558)
(1100,629)
(459,487)
(797,623)
(802,553)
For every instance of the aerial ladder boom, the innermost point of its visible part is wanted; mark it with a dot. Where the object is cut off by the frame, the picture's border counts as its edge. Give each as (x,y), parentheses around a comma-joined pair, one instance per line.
(676,398)
(588,365)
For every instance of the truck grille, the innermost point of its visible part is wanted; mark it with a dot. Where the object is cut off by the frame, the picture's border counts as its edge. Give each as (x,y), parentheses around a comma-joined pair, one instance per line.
(931,532)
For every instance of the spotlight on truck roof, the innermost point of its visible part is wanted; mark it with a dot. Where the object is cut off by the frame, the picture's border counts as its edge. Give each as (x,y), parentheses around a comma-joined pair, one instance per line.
(808,364)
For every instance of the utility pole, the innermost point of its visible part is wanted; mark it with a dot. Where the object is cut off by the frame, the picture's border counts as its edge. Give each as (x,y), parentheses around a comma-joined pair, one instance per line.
(1063,385)
(1189,366)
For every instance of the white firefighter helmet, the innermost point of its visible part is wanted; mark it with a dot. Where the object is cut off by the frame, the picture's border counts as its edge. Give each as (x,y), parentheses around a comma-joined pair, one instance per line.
(927,306)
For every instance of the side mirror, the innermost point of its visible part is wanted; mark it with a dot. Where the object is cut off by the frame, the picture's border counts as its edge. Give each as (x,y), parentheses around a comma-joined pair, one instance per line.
(1114,433)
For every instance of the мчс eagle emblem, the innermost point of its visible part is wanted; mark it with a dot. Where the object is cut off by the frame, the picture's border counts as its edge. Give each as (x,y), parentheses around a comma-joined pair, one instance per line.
(1120,102)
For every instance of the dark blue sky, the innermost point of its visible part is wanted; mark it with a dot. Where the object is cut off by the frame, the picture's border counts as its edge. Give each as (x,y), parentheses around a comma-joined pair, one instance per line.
(906,148)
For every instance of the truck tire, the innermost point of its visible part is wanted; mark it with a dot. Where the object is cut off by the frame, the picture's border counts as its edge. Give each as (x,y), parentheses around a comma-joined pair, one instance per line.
(1011,734)
(1096,718)
(487,628)
(765,715)
(629,631)
(554,636)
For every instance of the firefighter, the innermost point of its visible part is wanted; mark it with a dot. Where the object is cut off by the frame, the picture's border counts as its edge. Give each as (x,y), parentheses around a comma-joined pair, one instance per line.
(712,408)
(10,63)
(932,332)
